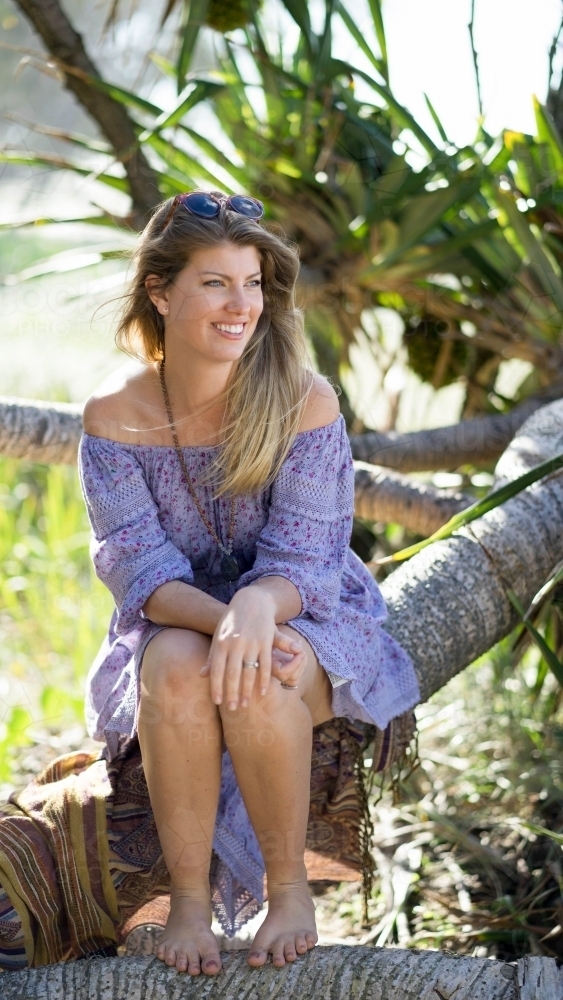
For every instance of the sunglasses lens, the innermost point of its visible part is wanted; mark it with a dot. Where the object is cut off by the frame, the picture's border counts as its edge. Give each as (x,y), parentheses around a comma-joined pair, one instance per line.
(201,204)
(246,206)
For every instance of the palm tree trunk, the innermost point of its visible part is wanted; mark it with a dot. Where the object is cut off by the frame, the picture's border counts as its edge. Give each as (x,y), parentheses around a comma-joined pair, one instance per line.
(476,441)
(38,431)
(330,973)
(448,604)
(382,495)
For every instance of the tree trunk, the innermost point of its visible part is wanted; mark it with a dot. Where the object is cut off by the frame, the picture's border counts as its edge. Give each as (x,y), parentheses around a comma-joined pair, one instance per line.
(448,604)
(67,47)
(330,973)
(476,441)
(382,495)
(38,431)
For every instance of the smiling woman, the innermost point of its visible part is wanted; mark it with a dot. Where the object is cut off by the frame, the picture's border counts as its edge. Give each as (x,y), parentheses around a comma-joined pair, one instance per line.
(220,489)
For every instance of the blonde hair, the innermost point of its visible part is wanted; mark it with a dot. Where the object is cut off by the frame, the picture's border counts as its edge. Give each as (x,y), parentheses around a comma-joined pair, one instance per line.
(269,385)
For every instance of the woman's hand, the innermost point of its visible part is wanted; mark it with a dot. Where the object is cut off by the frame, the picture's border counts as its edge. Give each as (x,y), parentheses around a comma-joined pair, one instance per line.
(247,631)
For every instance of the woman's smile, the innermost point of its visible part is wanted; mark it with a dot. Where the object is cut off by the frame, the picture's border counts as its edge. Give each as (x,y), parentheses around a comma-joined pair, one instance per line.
(233,331)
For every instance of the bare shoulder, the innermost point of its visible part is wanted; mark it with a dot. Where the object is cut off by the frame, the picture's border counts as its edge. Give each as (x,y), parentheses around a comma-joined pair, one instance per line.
(121,407)
(322,405)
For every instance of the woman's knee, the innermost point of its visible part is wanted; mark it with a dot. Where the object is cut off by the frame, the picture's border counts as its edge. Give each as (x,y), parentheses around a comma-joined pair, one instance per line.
(173,658)
(172,691)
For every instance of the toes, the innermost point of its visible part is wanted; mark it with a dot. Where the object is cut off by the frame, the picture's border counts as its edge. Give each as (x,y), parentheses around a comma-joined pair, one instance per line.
(257,957)
(311,939)
(170,956)
(192,964)
(182,961)
(278,957)
(300,944)
(211,964)
(289,951)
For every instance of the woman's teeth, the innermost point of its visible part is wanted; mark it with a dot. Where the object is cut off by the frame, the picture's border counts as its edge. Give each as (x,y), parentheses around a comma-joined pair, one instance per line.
(236,328)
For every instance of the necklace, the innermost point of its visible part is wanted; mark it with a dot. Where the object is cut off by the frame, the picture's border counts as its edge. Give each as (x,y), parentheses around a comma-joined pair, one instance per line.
(230,569)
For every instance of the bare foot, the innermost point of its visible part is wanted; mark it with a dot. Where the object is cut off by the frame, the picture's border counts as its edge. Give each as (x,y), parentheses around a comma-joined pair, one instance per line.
(188,942)
(289,929)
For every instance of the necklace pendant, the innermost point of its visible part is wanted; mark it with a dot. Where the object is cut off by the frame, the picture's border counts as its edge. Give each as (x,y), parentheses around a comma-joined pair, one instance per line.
(230,569)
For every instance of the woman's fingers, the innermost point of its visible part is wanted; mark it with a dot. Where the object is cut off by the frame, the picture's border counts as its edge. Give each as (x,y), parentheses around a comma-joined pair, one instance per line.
(286,643)
(248,680)
(265,669)
(289,672)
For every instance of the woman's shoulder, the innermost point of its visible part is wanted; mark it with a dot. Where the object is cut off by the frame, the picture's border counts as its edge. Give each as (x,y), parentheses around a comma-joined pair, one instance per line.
(322,406)
(122,406)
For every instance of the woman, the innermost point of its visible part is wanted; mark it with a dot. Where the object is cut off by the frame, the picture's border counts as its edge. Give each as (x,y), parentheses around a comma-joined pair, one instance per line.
(219,484)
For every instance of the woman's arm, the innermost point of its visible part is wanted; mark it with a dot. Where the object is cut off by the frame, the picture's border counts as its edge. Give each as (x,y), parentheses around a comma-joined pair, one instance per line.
(180,605)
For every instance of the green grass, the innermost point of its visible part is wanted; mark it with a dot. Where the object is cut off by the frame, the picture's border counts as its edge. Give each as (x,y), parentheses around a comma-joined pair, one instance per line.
(53,611)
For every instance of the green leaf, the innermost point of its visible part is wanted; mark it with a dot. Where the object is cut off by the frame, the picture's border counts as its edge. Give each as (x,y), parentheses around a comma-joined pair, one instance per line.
(549,134)
(59,163)
(481,507)
(359,38)
(376,13)
(541,831)
(202,90)
(186,166)
(126,97)
(299,10)
(404,117)
(540,262)
(424,212)
(239,173)
(197,13)
(549,656)
(436,120)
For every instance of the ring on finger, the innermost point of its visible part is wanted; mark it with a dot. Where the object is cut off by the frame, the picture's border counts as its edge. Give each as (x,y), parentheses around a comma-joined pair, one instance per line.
(251,663)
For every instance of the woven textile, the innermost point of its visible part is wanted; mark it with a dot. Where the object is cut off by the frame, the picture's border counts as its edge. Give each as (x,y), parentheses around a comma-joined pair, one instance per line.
(80,855)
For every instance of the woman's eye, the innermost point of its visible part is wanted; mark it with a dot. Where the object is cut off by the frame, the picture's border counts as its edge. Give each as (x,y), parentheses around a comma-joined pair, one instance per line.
(214,281)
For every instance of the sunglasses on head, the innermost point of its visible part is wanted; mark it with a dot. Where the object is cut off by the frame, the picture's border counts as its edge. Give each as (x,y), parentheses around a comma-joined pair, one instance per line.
(208,206)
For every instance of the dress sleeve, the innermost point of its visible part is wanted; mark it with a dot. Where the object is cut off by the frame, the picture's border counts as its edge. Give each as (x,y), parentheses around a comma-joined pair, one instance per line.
(131,552)
(307,534)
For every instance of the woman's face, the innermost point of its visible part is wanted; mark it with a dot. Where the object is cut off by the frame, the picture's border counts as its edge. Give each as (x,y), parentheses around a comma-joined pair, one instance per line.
(213,305)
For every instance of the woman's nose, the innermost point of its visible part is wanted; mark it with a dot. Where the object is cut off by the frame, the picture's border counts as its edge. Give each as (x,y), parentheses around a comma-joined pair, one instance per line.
(238,300)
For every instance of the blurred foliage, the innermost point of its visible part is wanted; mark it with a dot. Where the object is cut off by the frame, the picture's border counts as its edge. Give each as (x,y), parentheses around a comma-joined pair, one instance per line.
(468,844)
(53,611)
(468,246)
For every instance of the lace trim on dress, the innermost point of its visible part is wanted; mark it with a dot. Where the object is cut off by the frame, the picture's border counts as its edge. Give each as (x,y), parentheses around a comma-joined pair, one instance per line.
(123,505)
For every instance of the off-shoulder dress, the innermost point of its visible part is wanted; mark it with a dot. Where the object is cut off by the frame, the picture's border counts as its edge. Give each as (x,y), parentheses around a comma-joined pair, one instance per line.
(146,531)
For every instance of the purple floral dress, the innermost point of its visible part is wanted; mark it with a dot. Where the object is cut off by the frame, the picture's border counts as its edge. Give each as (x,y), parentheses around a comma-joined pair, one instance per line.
(147,530)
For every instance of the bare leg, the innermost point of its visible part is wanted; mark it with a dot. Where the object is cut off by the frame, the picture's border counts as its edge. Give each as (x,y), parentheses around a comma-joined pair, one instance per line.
(270,746)
(180,734)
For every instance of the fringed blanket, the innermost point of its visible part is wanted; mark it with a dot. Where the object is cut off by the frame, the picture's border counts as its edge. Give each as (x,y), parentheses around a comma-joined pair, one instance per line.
(80,855)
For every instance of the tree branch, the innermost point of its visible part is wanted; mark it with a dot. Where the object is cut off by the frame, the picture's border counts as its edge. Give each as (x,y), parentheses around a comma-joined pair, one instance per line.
(375,972)
(386,496)
(67,47)
(448,604)
(476,441)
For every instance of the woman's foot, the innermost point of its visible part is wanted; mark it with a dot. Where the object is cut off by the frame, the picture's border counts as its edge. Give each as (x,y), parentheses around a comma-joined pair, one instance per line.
(289,929)
(188,942)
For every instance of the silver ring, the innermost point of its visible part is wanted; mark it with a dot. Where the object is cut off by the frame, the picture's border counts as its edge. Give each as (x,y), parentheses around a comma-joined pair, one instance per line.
(251,663)
(289,687)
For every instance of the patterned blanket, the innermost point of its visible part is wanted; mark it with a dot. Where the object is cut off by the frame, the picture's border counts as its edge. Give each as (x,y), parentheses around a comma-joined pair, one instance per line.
(80,855)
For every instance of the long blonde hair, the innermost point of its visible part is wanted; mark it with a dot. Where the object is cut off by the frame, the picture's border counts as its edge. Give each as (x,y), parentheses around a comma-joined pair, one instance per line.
(269,385)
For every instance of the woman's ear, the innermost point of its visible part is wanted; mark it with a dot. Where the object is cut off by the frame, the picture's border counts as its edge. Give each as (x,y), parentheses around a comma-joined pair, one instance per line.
(157,293)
